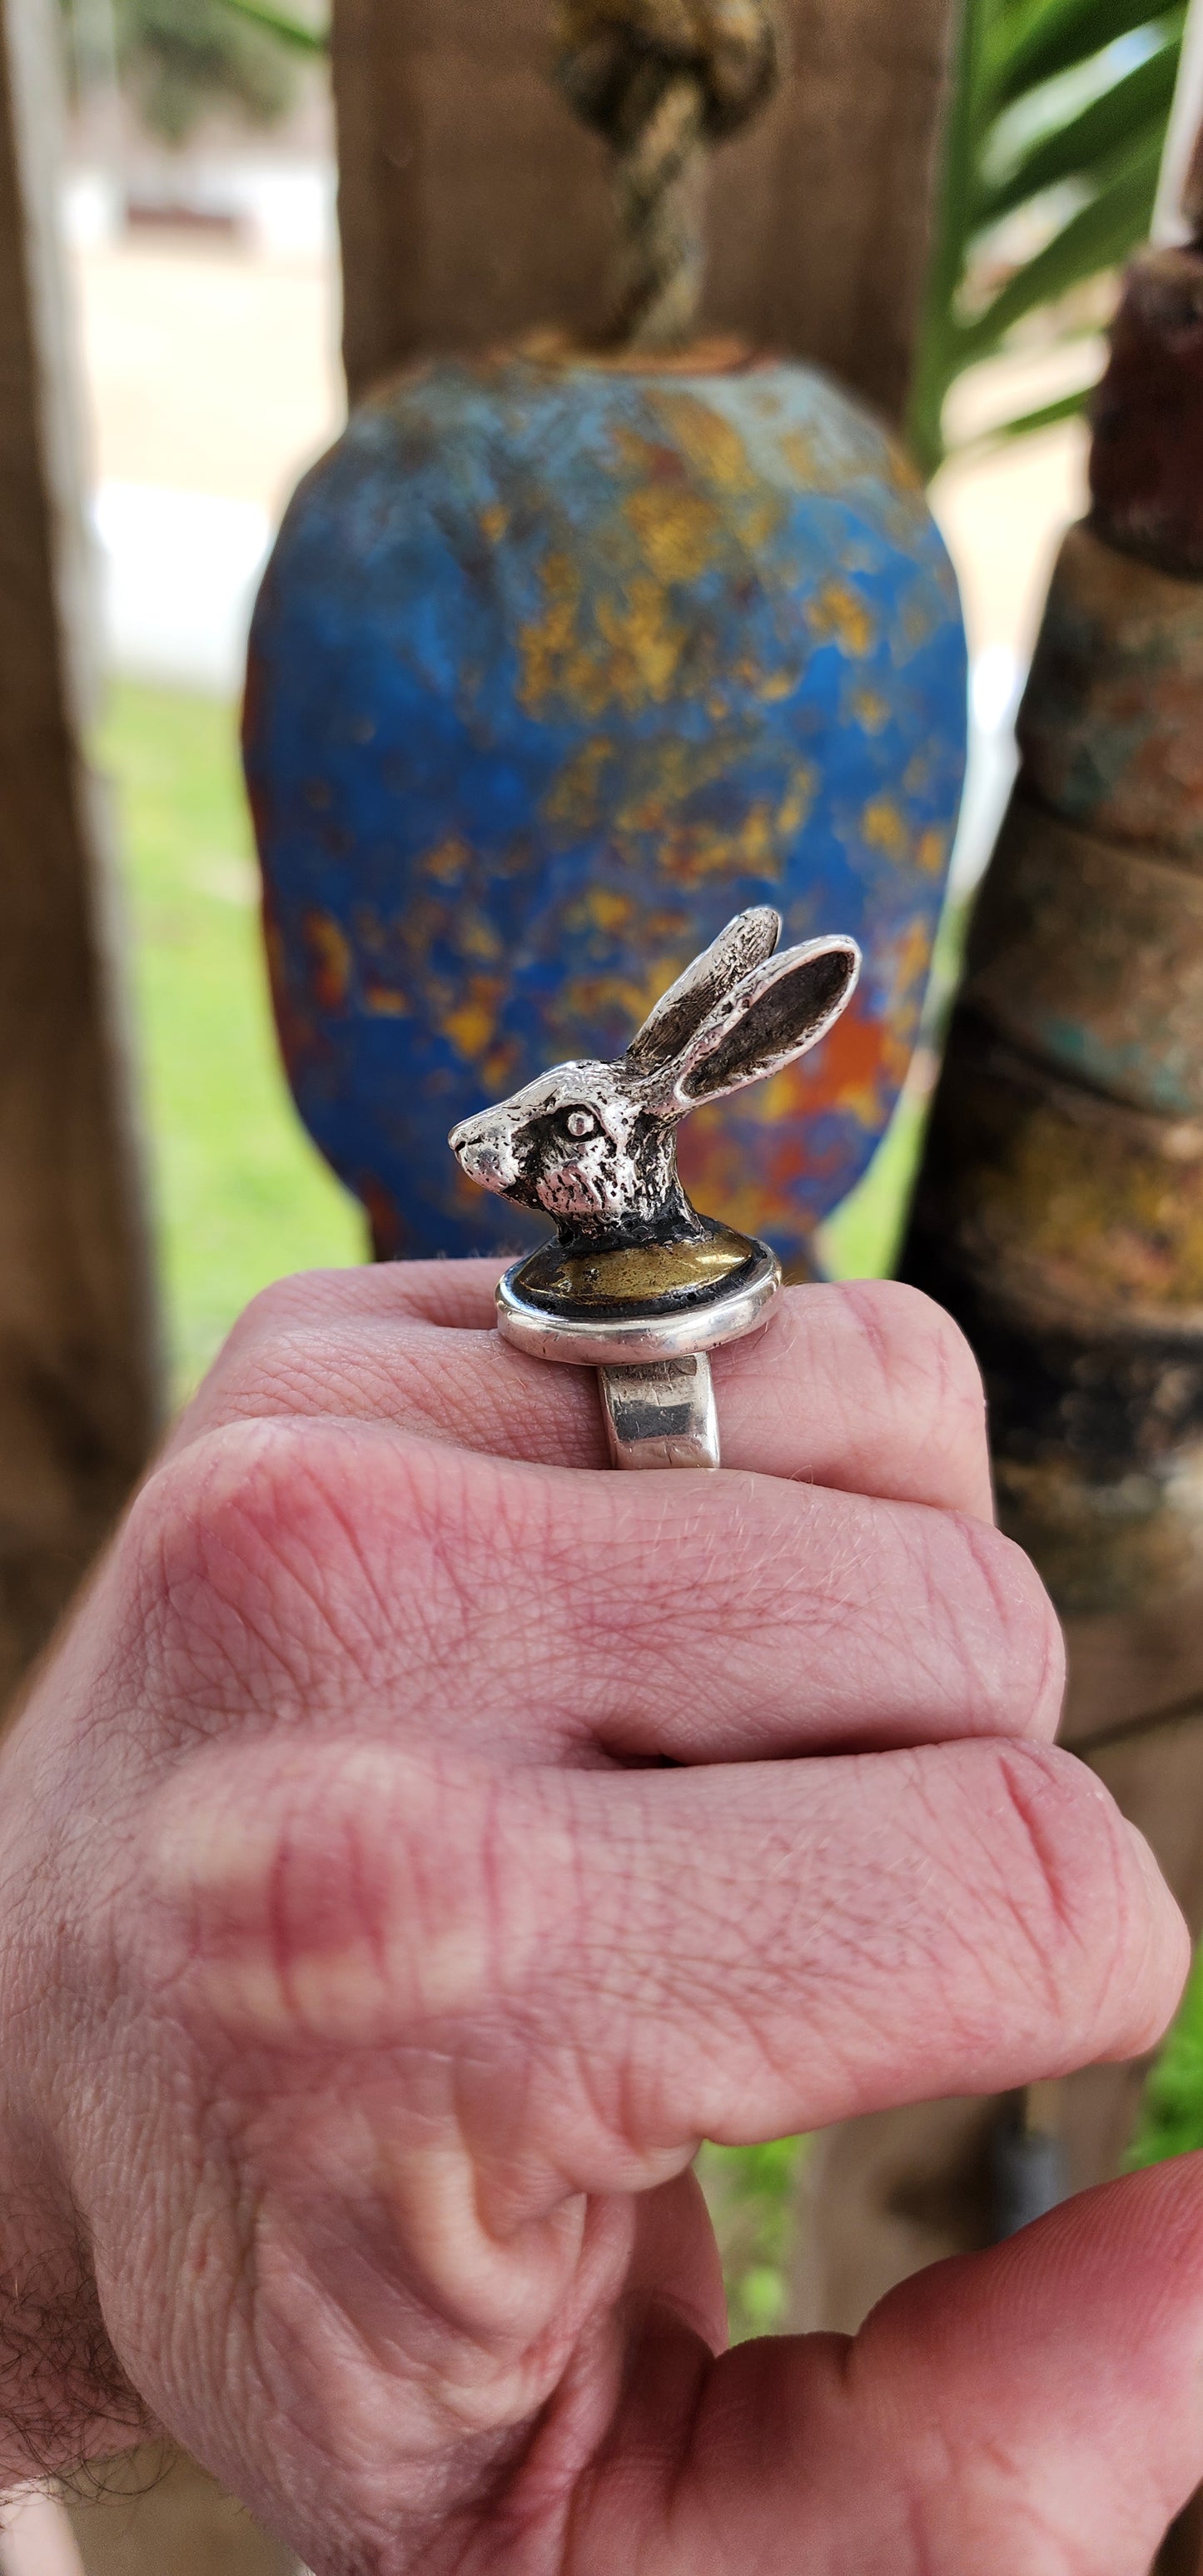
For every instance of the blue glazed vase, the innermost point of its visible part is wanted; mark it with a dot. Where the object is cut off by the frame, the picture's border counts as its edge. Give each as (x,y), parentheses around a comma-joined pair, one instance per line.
(554,668)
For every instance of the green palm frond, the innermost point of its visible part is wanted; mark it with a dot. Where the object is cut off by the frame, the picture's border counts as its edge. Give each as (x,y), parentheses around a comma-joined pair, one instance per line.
(1135,107)
(273,22)
(1029,42)
(1051,164)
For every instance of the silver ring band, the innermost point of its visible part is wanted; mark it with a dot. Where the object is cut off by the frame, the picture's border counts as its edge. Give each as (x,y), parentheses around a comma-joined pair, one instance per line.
(656,1388)
(663,1415)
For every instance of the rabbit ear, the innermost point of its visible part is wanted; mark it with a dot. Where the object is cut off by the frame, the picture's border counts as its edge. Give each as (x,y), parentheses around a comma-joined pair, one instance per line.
(775,1013)
(745,943)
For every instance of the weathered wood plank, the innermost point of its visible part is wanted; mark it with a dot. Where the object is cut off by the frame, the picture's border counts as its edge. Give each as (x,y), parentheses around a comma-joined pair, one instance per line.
(77,1365)
(156,2513)
(473,207)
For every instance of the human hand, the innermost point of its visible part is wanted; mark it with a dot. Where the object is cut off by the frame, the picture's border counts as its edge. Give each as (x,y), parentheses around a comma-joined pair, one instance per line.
(417,1844)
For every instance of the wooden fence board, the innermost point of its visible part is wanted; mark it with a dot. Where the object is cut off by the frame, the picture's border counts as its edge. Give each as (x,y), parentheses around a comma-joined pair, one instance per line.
(78,1376)
(474,207)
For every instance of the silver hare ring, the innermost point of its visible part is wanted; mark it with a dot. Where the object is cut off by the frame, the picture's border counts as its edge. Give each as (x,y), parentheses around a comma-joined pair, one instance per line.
(635,1283)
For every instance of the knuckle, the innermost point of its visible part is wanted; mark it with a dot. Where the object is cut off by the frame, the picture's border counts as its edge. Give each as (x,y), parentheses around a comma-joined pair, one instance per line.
(343,1895)
(234,1485)
(243,1566)
(1007,1632)
(918,1343)
(304,1295)
(910,1330)
(907,1390)
(287,1566)
(1097,1921)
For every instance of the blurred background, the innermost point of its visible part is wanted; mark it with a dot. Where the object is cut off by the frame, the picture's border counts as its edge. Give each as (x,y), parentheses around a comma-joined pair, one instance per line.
(197,210)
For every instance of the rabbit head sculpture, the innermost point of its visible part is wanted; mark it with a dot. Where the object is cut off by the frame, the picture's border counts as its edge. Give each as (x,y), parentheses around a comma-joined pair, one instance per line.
(595,1145)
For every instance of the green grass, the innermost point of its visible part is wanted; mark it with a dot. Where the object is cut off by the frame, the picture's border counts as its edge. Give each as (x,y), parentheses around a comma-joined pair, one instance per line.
(1172,2112)
(752,2193)
(240,1195)
(861,1240)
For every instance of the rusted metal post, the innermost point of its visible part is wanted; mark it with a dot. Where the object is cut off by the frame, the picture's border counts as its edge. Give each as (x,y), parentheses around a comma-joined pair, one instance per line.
(1059,1216)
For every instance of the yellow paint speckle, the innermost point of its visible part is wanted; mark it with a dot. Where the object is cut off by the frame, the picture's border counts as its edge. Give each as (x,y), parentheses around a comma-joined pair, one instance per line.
(870,710)
(330,951)
(931,849)
(499,1065)
(471,1022)
(840,615)
(883,827)
(711,444)
(798,452)
(476,936)
(758,522)
(645,647)
(470,1028)
(447,862)
(631,659)
(546,643)
(609,911)
(574,800)
(679,530)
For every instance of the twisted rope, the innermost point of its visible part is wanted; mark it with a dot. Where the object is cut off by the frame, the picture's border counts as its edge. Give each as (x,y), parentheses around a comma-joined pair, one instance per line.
(662,80)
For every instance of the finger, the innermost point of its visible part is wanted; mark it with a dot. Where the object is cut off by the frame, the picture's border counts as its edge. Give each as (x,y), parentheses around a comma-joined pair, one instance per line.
(869,1388)
(345,1573)
(1033,2408)
(621,1965)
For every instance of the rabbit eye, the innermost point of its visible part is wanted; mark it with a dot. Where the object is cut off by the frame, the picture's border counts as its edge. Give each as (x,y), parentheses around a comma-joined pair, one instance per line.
(581,1122)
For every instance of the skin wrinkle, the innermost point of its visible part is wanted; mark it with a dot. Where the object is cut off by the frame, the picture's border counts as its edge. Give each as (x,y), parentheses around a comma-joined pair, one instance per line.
(993,1874)
(1025,1781)
(192,1535)
(537,2355)
(283,1633)
(1022,1785)
(946,1369)
(338,2368)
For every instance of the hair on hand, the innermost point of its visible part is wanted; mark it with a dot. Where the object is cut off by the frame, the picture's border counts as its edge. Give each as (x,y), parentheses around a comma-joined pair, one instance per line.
(60,2379)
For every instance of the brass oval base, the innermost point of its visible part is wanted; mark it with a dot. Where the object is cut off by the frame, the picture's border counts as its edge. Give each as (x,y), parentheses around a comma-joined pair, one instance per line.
(687,1304)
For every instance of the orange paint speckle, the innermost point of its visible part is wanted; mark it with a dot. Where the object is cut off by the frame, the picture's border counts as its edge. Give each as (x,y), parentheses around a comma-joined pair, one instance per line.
(330,960)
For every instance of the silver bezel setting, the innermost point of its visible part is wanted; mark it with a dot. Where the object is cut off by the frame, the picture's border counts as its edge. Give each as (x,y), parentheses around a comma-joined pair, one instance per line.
(646,1333)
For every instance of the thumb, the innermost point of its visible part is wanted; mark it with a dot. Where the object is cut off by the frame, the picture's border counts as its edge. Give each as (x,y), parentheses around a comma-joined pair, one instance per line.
(1037,2407)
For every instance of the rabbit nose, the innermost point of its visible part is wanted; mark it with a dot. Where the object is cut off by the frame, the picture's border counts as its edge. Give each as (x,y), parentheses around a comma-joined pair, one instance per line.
(473,1152)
